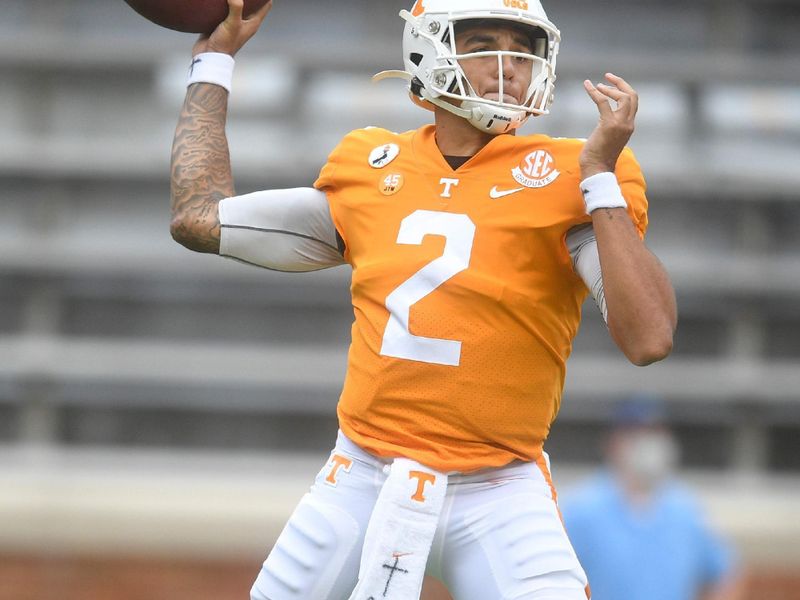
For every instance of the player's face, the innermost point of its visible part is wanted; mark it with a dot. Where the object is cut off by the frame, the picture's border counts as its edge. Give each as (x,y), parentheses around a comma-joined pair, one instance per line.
(484,72)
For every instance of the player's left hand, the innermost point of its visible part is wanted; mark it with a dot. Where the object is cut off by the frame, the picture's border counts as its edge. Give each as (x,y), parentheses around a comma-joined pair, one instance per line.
(615,127)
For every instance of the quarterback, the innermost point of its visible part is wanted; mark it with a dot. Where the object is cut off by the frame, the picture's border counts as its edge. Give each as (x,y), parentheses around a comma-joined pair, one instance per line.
(472,250)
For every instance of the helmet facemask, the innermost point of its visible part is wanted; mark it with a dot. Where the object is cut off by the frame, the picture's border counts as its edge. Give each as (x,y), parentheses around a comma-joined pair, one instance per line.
(437,75)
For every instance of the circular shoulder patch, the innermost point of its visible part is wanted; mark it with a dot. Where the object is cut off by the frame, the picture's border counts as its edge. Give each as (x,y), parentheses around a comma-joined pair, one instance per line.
(383,155)
(391,184)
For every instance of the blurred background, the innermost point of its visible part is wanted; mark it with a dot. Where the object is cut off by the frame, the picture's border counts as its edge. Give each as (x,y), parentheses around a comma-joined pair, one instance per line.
(161,412)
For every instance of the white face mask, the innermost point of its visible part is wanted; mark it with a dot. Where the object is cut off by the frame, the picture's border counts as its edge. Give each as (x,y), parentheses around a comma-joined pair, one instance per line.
(647,457)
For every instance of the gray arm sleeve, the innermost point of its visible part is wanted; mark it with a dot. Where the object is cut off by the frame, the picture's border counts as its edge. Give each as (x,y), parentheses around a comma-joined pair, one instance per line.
(582,247)
(282,230)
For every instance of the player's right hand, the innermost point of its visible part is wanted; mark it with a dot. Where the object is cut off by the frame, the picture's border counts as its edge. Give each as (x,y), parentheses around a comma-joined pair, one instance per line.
(234,31)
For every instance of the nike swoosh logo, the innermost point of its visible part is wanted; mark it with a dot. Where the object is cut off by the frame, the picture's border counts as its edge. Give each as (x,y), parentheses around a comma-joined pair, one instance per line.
(494,193)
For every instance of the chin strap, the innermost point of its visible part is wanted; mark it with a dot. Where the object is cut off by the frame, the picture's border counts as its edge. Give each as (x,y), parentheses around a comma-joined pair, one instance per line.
(426,97)
(391,74)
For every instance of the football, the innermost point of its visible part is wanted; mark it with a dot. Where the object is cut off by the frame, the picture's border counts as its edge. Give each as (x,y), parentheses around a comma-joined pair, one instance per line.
(190,16)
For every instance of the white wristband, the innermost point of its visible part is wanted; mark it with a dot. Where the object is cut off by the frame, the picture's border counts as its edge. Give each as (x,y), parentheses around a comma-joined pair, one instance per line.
(212,67)
(602,191)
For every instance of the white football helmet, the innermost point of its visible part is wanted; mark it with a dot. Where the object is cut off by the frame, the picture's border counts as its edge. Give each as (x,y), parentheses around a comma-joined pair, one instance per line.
(435,75)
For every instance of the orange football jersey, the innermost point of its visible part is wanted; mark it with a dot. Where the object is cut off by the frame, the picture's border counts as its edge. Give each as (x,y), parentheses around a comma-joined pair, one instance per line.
(465,299)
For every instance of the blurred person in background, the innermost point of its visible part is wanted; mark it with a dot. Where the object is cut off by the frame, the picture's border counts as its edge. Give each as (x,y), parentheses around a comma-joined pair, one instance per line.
(638,532)
(472,251)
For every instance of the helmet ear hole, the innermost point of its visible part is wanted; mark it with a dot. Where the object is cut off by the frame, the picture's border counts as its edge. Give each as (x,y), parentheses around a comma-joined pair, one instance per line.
(416,87)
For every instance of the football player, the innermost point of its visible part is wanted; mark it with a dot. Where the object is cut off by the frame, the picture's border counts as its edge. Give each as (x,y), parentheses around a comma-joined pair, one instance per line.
(472,250)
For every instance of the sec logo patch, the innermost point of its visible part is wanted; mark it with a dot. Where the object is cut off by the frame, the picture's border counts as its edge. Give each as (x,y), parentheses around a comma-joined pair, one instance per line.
(536,170)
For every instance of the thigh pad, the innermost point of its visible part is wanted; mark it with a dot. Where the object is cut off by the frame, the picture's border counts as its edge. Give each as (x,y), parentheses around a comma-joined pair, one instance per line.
(311,557)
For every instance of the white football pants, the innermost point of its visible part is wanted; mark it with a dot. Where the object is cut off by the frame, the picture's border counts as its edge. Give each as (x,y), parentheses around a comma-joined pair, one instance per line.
(500,536)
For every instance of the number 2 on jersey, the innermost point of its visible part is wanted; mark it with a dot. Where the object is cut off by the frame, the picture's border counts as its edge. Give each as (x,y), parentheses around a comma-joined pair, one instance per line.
(459,234)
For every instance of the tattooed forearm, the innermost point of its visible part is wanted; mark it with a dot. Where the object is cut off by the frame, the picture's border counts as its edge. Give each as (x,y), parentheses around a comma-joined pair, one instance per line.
(201,168)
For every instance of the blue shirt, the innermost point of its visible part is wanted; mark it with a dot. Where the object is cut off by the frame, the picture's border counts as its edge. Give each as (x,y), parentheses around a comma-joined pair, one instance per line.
(662,552)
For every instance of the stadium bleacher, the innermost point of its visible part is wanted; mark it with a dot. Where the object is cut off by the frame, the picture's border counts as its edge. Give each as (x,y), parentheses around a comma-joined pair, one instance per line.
(122,353)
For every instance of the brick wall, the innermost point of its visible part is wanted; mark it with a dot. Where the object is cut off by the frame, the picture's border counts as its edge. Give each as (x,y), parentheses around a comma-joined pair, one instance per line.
(27,578)
(87,578)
